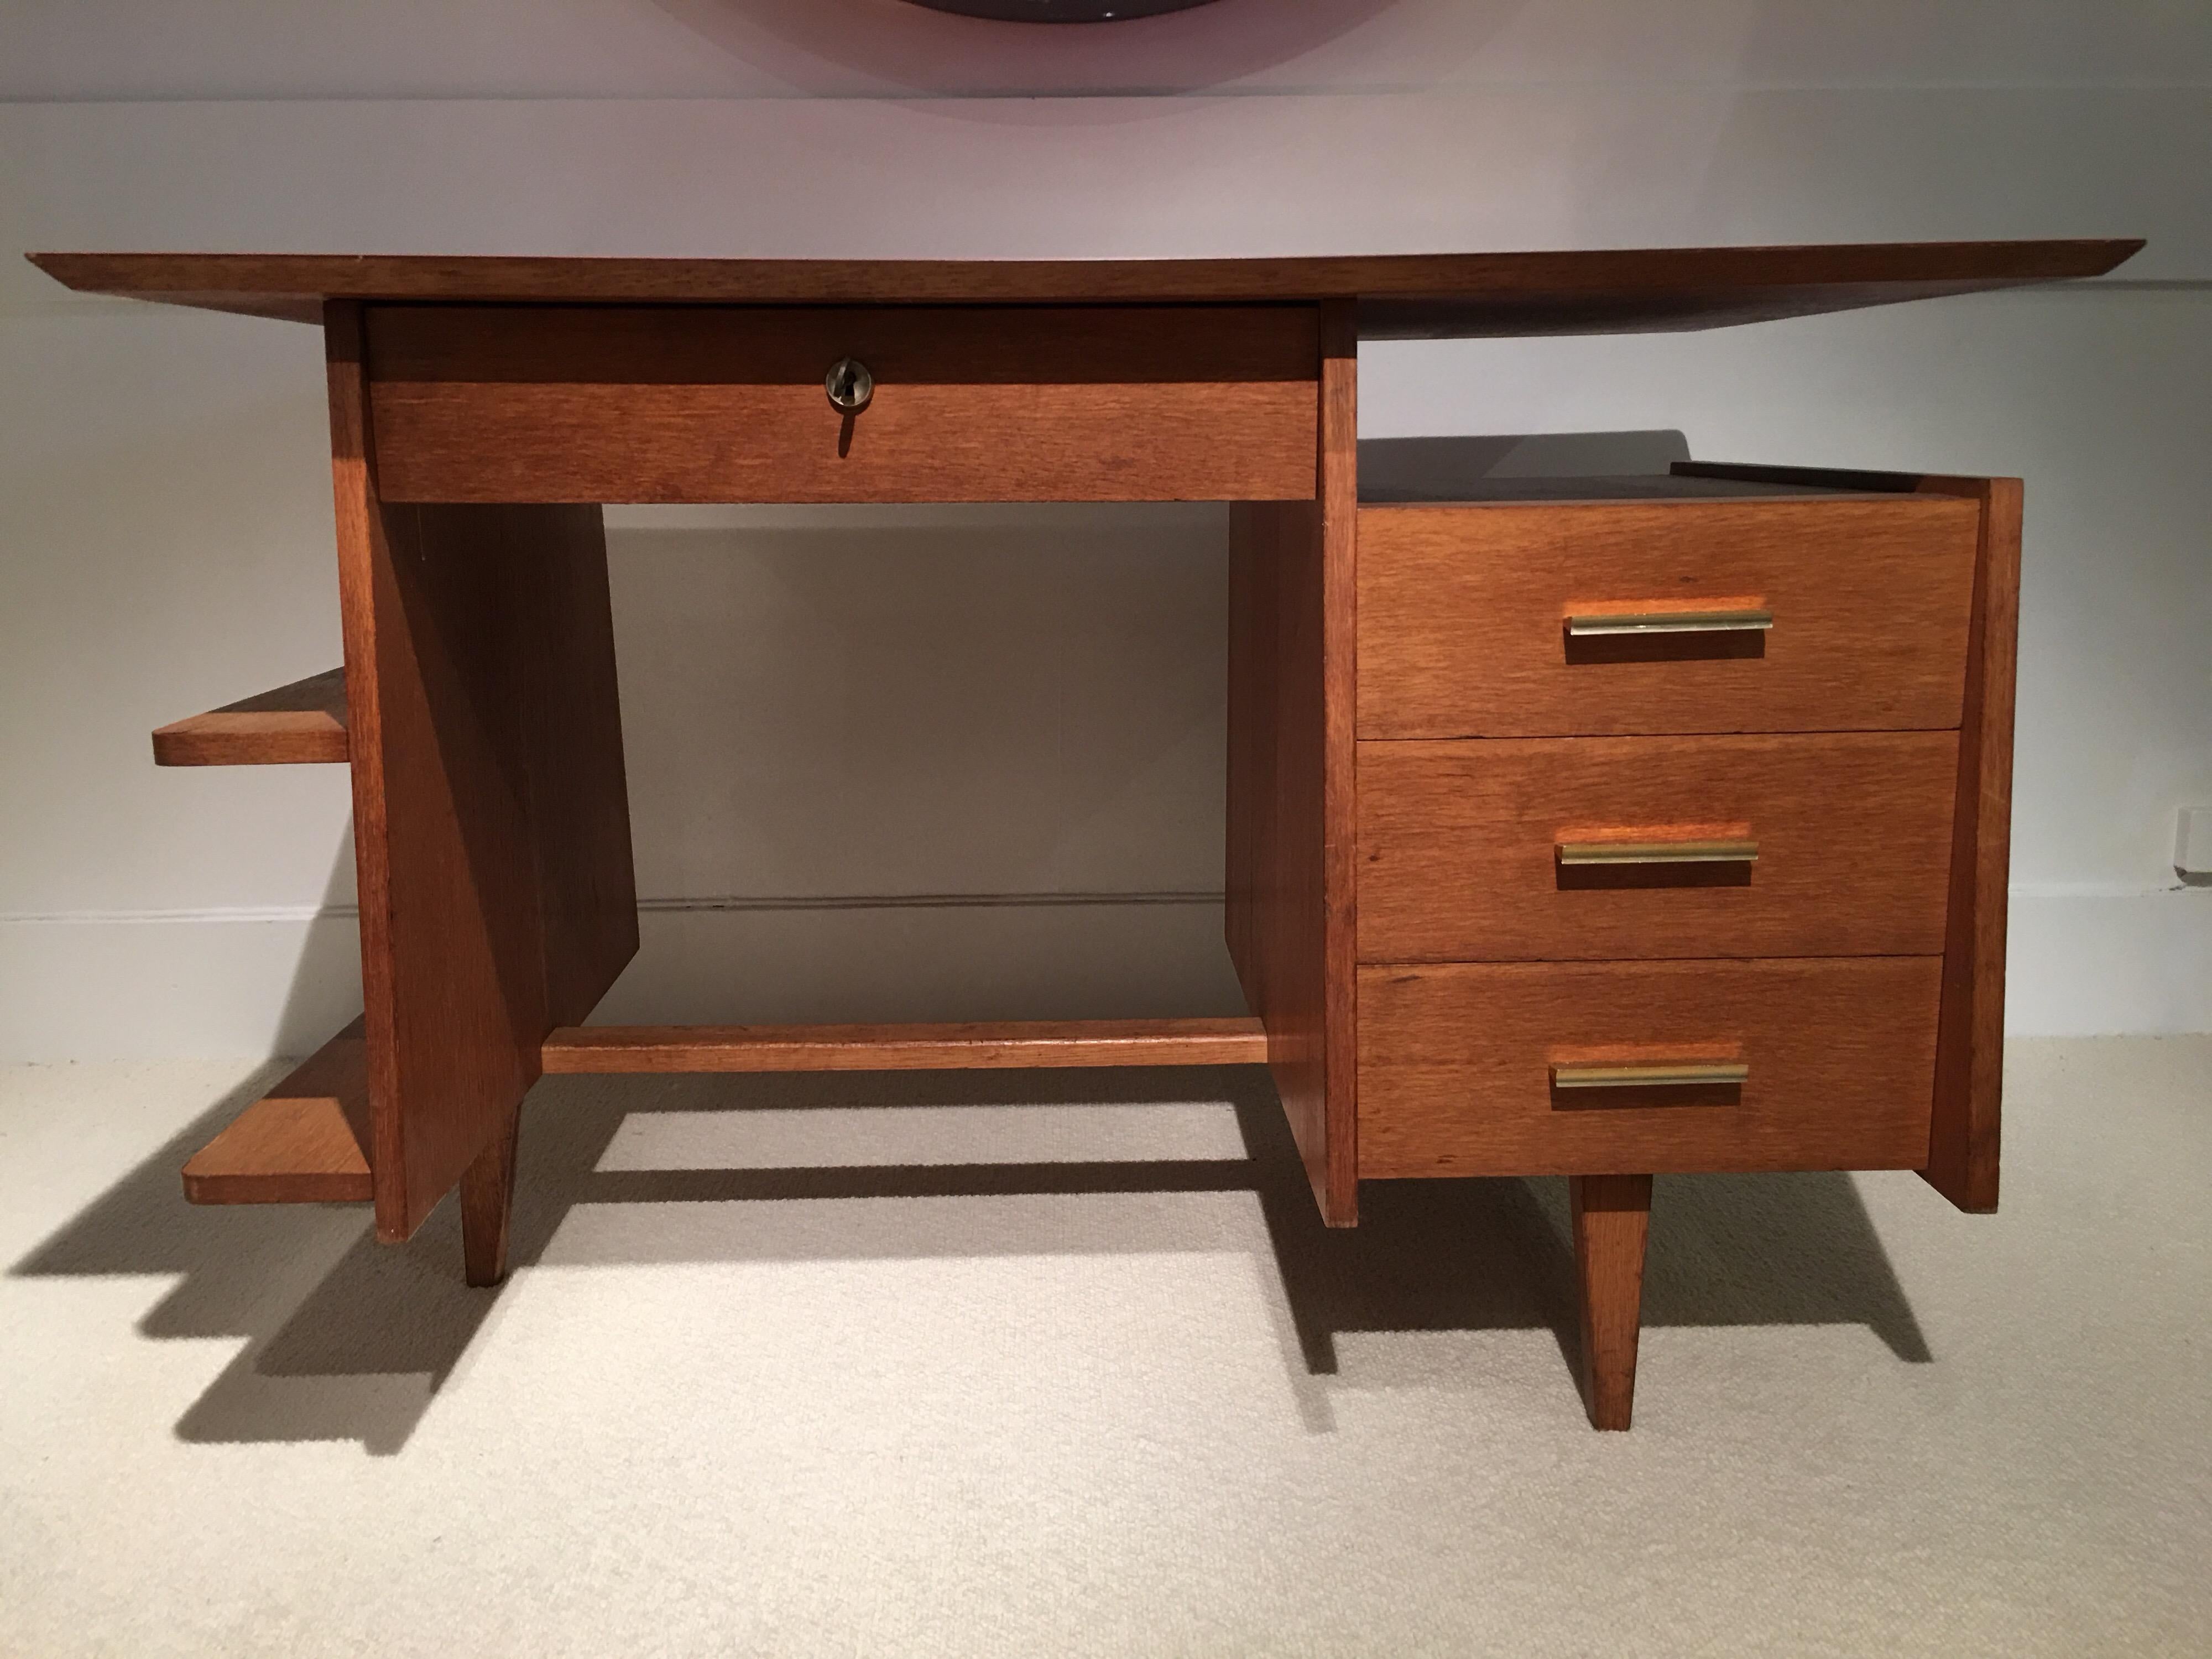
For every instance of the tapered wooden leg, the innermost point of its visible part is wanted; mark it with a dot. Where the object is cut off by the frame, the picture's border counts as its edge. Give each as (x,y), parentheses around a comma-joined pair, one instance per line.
(488,1207)
(1612,1215)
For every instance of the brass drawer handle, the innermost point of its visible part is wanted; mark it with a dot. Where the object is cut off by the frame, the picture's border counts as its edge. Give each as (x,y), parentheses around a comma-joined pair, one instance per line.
(1612,622)
(1588,853)
(1649,1075)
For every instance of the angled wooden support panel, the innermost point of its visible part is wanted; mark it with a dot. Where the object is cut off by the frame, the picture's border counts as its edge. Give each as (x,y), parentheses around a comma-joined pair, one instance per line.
(491,824)
(1965,1127)
(1289,859)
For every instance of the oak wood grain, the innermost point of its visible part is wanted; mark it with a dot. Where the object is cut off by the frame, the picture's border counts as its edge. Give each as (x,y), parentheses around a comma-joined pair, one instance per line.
(1289,912)
(305,1142)
(1610,1216)
(607,404)
(1966,1130)
(301,723)
(1454,1066)
(970,1046)
(1408,295)
(1463,609)
(1458,842)
(490,828)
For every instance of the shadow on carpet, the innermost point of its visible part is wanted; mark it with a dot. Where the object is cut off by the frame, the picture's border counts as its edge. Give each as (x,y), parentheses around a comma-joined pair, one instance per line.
(348,1340)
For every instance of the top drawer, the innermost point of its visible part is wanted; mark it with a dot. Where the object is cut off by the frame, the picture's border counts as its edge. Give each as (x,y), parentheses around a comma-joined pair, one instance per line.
(729,403)
(1464,609)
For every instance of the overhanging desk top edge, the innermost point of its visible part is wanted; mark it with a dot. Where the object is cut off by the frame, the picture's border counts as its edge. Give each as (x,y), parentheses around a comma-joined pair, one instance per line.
(1400,296)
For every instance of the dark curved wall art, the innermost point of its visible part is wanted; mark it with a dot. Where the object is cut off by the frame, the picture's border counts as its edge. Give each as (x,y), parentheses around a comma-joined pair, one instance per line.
(1060,11)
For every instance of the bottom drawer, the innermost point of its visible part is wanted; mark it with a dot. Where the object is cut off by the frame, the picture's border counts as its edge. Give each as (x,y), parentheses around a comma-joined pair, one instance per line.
(1563,1068)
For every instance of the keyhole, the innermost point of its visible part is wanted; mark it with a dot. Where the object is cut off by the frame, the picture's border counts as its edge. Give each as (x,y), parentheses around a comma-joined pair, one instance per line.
(849,386)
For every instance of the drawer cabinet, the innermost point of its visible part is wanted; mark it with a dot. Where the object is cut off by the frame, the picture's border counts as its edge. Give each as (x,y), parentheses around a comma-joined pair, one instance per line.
(1518,619)
(1533,850)
(1643,826)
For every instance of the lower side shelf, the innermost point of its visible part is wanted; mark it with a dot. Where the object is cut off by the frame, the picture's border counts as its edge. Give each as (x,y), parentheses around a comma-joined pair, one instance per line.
(305,1142)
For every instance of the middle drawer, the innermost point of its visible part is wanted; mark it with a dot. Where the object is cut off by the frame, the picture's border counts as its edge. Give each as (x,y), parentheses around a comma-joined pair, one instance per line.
(1611,849)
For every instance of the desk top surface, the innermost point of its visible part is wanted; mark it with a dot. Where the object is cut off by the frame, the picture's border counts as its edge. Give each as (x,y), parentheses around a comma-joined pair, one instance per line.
(1400,296)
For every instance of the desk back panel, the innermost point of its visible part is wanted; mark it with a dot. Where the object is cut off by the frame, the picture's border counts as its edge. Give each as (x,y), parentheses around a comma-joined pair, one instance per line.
(724,404)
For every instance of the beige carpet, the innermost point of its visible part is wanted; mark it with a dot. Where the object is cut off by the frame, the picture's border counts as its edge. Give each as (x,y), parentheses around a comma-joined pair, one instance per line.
(1067,1366)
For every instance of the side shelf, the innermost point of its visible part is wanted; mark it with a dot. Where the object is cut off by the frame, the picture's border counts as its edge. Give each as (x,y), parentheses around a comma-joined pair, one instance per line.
(300,723)
(305,1142)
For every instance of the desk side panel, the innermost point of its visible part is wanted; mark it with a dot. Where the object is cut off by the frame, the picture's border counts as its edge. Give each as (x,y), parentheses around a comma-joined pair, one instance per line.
(1289,919)
(1967,1128)
(1963,1148)
(491,831)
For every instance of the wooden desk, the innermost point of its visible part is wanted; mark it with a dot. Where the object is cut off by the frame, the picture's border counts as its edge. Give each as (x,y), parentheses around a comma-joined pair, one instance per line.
(1662,826)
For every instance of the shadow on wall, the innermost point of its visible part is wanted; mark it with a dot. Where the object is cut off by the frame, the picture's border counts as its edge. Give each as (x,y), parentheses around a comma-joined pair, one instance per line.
(346,1340)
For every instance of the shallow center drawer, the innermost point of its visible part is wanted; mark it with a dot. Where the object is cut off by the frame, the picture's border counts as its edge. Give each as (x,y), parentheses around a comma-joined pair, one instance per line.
(724,404)
(1546,1068)
(1504,850)
(1784,614)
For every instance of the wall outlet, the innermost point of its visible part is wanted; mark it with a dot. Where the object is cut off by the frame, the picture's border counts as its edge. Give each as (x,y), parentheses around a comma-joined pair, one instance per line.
(2192,846)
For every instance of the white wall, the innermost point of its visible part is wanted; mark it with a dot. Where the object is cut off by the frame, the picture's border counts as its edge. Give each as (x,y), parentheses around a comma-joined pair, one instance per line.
(951,761)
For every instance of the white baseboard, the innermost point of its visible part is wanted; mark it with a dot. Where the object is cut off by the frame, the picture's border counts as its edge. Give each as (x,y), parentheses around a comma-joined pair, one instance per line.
(175,985)
(162,985)
(249,983)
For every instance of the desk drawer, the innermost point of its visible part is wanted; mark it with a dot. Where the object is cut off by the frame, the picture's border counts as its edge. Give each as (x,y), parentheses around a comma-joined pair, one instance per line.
(1463,615)
(1531,849)
(718,404)
(1461,1067)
